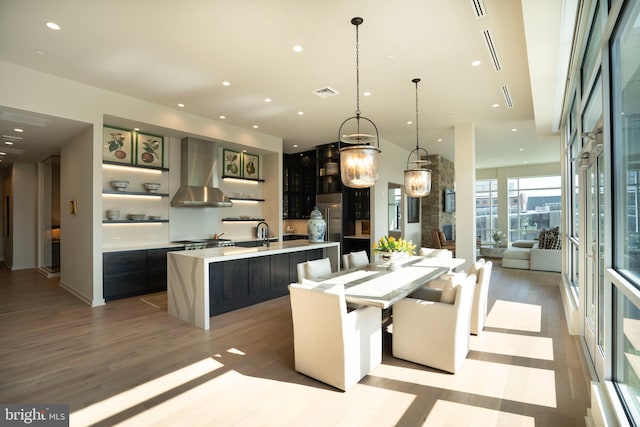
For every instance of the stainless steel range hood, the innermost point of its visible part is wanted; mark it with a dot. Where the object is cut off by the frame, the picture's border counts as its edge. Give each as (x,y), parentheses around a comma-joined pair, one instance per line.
(199,176)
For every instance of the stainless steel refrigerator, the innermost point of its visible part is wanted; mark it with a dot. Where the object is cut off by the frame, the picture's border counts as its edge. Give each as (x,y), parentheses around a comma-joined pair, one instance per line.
(331,207)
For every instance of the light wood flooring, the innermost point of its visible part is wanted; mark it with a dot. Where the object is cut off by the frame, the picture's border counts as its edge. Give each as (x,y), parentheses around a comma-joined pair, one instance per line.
(130,363)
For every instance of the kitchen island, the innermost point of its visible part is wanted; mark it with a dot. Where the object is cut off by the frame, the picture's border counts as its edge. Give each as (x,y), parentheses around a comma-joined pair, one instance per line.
(205,282)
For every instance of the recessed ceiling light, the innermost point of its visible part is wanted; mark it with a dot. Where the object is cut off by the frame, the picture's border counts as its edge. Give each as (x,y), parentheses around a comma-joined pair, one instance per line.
(295,145)
(255,126)
(226,83)
(181,105)
(8,143)
(19,130)
(514,130)
(136,129)
(53,25)
(439,140)
(223,117)
(495,105)
(2,153)
(39,51)
(522,149)
(367,94)
(409,122)
(297,48)
(267,100)
(301,113)
(475,63)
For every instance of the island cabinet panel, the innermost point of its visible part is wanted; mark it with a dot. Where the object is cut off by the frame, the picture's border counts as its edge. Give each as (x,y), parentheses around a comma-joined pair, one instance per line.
(124,274)
(259,275)
(239,283)
(280,272)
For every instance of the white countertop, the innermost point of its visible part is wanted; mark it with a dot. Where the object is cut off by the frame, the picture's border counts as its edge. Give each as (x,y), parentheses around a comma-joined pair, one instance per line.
(139,247)
(235,252)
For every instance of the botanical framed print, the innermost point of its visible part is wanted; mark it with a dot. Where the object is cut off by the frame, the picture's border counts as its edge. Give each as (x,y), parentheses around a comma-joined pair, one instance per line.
(117,145)
(232,163)
(250,166)
(149,149)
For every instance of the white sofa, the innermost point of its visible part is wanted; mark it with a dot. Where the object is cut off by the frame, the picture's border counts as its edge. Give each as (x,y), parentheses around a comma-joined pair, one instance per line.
(526,254)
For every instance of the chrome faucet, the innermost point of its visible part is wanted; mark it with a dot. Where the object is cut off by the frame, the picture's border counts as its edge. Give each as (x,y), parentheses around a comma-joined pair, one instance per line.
(263,233)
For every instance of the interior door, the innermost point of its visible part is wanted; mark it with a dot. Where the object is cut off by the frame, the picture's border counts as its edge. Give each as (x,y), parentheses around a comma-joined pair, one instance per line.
(594,256)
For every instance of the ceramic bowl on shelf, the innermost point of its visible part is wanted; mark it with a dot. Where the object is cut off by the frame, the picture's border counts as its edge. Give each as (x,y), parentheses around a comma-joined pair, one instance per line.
(152,187)
(119,185)
(137,217)
(113,214)
(154,217)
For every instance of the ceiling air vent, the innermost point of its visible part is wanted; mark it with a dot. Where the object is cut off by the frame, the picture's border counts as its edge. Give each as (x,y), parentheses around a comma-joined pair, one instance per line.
(24,118)
(325,92)
(507,96)
(492,49)
(478,8)
(11,138)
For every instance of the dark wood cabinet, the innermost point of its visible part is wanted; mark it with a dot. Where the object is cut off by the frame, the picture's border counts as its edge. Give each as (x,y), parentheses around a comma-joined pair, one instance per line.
(129,273)
(328,169)
(299,180)
(239,283)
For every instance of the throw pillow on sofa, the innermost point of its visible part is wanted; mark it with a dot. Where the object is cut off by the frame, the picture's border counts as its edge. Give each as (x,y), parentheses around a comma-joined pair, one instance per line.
(550,239)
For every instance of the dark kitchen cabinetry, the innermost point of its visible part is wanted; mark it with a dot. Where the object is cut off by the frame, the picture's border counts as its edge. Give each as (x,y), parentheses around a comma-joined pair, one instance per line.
(239,283)
(328,171)
(299,185)
(130,273)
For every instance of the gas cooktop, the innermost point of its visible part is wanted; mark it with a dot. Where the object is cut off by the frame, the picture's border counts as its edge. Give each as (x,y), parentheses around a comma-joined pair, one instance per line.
(204,243)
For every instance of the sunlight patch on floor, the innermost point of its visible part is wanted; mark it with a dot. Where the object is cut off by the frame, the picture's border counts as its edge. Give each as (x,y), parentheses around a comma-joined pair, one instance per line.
(515,315)
(513,345)
(446,413)
(248,400)
(141,393)
(483,378)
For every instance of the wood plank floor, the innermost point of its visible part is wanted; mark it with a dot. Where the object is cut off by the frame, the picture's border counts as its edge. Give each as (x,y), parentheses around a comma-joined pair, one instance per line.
(130,363)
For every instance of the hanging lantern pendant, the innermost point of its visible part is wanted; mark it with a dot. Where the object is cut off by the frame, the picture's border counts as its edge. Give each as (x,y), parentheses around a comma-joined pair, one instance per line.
(417,179)
(359,159)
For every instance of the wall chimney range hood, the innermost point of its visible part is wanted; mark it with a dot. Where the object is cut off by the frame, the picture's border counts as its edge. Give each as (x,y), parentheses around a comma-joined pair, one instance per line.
(199,176)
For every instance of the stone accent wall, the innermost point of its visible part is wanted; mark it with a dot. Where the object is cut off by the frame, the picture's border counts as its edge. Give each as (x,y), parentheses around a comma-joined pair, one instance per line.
(432,207)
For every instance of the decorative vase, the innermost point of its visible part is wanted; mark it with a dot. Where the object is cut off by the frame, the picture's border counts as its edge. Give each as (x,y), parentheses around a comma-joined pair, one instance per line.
(393,258)
(316,226)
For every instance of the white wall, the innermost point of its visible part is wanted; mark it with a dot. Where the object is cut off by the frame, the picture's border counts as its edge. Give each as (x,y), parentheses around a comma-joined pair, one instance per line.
(77,272)
(24,186)
(393,160)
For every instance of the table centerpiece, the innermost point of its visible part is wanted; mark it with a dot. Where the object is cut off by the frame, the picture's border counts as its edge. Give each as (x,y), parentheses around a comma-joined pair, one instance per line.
(393,250)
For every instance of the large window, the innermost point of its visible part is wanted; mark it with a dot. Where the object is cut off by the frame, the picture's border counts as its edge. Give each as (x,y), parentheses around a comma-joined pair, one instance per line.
(534,204)
(486,208)
(625,74)
(626,144)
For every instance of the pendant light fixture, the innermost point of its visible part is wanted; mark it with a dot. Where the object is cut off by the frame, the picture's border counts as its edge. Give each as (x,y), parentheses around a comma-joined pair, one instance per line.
(359,158)
(417,179)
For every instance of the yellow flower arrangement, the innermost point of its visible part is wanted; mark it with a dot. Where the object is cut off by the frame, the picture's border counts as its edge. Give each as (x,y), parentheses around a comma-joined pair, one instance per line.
(391,244)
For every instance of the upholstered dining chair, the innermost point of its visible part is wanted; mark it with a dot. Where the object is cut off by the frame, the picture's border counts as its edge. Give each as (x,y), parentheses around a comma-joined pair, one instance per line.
(432,252)
(431,326)
(480,297)
(482,270)
(355,259)
(312,269)
(331,344)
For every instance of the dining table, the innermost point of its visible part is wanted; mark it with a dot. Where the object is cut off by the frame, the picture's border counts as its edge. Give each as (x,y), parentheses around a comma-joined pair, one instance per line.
(380,284)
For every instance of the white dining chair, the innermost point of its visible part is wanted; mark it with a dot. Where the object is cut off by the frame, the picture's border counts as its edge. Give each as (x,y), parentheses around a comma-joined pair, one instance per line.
(355,259)
(480,298)
(313,269)
(432,252)
(431,327)
(331,344)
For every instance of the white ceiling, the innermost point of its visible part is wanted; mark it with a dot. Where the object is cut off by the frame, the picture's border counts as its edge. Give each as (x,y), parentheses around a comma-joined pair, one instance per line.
(172,52)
